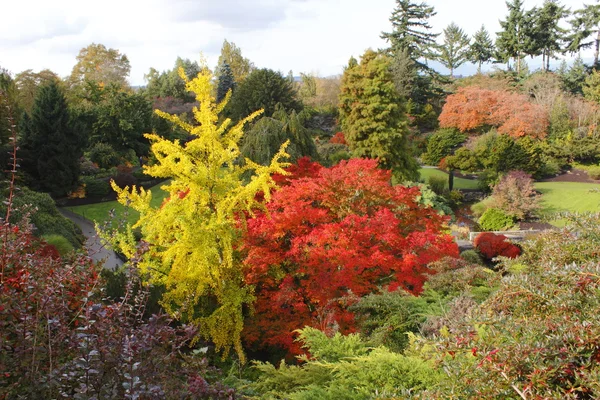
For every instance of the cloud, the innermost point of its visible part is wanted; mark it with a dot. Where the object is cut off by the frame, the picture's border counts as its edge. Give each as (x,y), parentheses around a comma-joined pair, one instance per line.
(248,15)
(53,27)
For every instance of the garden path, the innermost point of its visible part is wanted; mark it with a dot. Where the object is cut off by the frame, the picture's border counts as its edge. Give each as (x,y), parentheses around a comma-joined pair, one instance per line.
(96,250)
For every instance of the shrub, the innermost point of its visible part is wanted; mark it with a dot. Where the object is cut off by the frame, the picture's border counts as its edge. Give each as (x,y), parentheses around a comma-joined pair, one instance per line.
(471,256)
(124,179)
(95,187)
(441,144)
(485,181)
(62,245)
(515,195)
(456,197)
(538,334)
(338,156)
(463,160)
(491,245)
(338,138)
(437,184)
(44,215)
(60,340)
(103,155)
(88,168)
(594,172)
(494,219)
(344,367)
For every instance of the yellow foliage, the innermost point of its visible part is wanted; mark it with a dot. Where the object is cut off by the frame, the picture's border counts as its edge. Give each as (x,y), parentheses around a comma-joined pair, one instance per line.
(191,237)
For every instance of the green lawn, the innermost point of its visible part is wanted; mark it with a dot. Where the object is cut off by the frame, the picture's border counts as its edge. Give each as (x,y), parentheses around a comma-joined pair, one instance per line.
(459,183)
(99,212)
(568,196)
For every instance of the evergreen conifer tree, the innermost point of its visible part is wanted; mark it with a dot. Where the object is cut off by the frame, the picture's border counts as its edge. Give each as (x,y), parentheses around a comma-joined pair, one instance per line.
(373,116)
(482,49)
(510,41)
(454,52)
(226,82)
(51,145)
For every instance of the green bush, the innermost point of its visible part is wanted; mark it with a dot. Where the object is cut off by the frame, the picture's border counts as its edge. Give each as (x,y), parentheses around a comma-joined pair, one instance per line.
(437,184)
(104,155)
(61,243)
(472,256)
(495,220)
(441,144)
(95,187)
(594,172)
(338,156)
(43,215)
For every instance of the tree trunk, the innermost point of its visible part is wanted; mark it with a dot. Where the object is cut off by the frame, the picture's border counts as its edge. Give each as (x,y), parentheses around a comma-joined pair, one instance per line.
(479,68)
(450,179)
(597,49)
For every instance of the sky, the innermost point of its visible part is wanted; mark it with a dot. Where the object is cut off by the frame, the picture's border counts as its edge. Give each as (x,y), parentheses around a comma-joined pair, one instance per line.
(310,36)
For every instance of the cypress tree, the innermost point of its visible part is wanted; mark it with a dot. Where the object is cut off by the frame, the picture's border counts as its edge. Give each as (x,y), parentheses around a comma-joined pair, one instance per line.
(373,116)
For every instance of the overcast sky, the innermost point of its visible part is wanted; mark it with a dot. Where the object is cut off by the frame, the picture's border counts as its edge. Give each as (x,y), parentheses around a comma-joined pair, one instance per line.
(316,36)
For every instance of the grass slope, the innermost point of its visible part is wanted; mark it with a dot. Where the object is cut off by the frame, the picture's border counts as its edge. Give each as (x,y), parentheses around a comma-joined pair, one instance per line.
(459,183)
(99,212)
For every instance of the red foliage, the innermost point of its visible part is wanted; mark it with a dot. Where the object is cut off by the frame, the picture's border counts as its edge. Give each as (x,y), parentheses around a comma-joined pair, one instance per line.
(472,107)
(303,168)
(492,245)
(339,233)
(338,138)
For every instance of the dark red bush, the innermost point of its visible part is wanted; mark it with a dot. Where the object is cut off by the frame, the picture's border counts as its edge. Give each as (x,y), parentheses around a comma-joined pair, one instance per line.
(491,245)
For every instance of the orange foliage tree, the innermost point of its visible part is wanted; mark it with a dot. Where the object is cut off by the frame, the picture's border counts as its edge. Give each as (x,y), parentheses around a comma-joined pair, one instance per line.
(472,108)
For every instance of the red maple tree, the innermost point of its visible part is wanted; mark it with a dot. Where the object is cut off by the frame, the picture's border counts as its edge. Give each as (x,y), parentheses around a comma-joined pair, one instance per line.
(330,237)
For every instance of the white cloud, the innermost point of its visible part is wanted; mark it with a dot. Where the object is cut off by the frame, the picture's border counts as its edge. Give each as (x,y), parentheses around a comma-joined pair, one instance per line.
(302,35)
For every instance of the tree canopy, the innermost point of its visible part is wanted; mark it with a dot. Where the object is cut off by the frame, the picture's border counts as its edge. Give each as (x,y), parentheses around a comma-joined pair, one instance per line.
(262,89)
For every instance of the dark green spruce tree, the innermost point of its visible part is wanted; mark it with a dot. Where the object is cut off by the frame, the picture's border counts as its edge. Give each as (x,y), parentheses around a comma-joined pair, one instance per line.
(482,49)
(51,147)
(373,116)
(226,82)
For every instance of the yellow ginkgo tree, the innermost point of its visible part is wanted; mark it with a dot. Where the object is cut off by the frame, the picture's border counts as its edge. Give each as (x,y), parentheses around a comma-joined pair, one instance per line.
(190,239)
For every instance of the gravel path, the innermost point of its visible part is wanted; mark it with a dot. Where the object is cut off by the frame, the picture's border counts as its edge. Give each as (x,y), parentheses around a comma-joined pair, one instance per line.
(96,250)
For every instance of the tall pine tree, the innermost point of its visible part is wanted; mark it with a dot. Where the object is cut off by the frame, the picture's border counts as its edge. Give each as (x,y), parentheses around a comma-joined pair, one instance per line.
(454,52)
(51,147)
(482,49)
(510,42)
(544,35)
(373,115)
